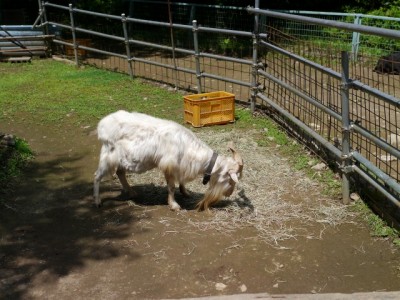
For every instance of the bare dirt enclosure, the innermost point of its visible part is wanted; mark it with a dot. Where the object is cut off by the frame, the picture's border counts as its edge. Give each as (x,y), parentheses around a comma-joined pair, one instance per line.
(277,233)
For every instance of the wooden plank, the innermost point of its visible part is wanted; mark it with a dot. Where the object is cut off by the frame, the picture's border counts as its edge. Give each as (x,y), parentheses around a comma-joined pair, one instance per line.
(16,59)
(27,49)
(26,37)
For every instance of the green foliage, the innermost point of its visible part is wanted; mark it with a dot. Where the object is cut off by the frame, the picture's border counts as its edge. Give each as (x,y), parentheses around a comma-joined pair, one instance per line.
(12,160)
(378,227)
(104,6)
(384,43)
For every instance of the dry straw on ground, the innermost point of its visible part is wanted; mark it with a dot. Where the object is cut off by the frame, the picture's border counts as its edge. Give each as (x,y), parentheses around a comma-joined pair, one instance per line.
(278,201)
(272,197)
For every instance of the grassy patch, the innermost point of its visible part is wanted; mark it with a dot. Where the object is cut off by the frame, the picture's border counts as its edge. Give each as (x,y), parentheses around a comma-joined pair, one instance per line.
(13,159)
(378,227)
(51,91)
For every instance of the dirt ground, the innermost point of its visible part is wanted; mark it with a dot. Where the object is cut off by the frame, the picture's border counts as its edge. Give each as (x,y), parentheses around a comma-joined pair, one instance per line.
(277,234)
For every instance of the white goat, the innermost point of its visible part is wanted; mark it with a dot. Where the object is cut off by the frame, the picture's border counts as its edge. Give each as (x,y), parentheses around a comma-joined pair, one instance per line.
(135,142)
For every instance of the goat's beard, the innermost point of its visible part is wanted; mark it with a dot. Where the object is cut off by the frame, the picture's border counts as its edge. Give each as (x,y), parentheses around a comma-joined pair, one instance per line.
(214,193)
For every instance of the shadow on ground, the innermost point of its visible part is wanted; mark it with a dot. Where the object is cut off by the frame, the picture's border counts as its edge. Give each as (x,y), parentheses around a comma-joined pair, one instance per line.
(54,228)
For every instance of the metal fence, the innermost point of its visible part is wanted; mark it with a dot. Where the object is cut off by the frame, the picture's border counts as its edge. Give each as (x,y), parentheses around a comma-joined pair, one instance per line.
(323,90)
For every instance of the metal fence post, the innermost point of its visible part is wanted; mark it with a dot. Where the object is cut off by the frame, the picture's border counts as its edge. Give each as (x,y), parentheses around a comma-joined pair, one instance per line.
(71,16)
(346,155)
(43,20)
(171,32)
(197,56)
(42,17)
(127,47)
(254,75)
(356,38)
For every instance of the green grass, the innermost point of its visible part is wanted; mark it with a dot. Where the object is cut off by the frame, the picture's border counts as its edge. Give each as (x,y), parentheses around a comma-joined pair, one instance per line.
(378,227)
(52,91)
(13,159)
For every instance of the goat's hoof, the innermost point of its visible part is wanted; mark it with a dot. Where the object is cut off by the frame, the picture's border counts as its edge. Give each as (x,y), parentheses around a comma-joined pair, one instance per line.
(98,205)
(175,207)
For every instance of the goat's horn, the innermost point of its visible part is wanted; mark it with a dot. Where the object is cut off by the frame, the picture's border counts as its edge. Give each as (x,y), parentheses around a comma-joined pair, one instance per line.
(236,155)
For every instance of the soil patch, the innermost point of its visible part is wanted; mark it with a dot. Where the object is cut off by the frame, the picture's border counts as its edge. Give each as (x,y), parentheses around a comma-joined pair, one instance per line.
(276,234)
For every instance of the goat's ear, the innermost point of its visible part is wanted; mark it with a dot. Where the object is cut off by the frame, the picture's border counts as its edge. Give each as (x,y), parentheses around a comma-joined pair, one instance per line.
(234,177)
(231,147)
(236,156)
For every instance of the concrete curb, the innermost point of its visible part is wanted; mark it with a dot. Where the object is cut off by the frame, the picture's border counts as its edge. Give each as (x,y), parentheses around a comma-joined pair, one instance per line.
(333,296)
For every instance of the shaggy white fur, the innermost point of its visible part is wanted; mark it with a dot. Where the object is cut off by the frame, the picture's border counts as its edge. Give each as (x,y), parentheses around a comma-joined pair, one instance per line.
(135,142)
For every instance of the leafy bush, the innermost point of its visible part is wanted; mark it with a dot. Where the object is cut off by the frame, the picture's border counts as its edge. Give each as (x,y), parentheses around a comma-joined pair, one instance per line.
(12,160)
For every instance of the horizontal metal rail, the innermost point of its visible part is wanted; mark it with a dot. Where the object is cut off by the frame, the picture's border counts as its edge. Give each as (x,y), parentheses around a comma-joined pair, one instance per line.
(376,93)
(329,23)
(382,144)
(90,49)
(162,47)
(92,13)
(243,83)
(354,83)
(389,181)
(300,94)
(372,182)
(193,4)
(26,37)
(338,14)
(95,33)
(303,126)
(338,117)
(226,58)
(154,63)
(303,60)
(153,45)
(156,23)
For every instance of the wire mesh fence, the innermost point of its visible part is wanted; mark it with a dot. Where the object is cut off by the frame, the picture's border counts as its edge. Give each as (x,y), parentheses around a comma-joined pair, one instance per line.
(323,47)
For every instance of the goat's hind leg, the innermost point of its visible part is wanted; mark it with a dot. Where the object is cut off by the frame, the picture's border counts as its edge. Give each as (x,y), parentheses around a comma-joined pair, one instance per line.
(127,189)
(173,205)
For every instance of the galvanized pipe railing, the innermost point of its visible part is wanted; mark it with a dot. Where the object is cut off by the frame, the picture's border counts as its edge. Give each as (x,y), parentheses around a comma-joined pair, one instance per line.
(197,56)
(328,23)
(127,45)
(346,156)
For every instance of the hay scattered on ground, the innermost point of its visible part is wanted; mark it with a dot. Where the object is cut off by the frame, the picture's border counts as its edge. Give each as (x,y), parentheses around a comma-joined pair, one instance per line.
(278,201)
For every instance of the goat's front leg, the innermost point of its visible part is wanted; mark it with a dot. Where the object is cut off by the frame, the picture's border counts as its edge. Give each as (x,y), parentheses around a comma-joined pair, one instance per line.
(96,188)
(121,173)
(173,205)
(98,175)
